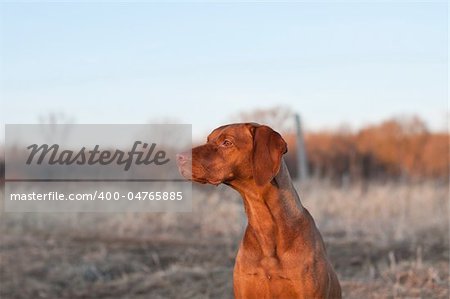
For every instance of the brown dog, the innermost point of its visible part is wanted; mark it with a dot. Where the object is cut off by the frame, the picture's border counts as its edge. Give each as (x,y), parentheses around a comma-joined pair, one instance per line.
(282,254)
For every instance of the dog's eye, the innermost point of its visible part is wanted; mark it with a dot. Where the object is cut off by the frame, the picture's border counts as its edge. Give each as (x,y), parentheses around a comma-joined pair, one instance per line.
(227,143)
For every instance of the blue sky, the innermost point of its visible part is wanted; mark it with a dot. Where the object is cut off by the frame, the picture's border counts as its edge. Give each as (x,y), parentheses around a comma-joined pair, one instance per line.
(201,63)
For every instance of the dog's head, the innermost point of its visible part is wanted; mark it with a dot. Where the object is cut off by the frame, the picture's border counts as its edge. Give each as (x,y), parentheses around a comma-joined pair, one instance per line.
(245,151)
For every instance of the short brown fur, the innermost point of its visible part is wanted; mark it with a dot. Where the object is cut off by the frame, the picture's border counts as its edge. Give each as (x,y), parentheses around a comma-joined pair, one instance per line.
(282,254)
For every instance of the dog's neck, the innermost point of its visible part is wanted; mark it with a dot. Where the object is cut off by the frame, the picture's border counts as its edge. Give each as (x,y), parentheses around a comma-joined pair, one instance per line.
(273,211)
(286,188)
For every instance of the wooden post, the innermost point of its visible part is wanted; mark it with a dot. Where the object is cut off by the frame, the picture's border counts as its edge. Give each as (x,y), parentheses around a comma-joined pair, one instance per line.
(302,161)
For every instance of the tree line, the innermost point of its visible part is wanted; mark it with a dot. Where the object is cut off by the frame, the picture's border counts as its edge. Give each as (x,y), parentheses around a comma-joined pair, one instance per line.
(396,148)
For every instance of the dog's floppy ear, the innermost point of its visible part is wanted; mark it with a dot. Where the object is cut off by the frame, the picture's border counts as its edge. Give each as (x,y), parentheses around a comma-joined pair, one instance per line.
(268,148)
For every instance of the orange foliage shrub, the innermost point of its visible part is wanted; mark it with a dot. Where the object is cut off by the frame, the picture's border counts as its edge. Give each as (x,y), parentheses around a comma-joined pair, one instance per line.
(394,148)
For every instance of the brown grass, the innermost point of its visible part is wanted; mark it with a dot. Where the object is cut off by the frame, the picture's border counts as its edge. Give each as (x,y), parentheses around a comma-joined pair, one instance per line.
(385,240)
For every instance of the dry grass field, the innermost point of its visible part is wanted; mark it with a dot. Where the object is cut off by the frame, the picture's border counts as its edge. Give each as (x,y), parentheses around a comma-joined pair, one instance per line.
(386,240)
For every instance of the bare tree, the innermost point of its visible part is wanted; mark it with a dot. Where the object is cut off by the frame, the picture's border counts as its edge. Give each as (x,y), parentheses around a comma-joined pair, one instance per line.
(280,118)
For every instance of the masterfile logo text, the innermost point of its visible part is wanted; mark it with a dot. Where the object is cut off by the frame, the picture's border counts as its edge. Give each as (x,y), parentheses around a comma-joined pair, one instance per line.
(97,168)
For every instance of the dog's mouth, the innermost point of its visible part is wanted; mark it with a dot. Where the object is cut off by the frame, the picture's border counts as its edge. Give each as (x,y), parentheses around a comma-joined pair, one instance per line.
(186,171)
